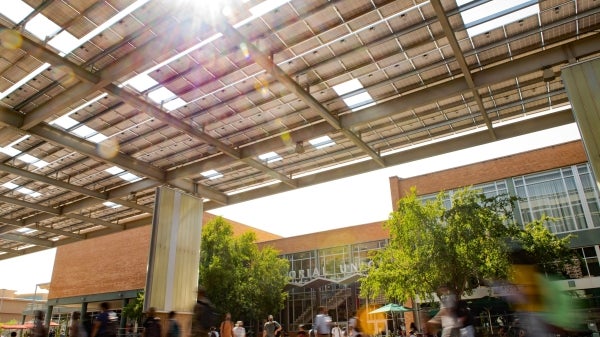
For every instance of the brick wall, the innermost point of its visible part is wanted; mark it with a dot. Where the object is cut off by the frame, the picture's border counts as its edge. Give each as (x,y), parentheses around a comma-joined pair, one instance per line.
(108,263)
(501,168)
(331,238)
(111,263)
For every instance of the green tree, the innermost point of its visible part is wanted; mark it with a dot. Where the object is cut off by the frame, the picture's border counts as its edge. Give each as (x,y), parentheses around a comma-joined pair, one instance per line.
(552,253)
(240,278)
(134,310)
(431,246)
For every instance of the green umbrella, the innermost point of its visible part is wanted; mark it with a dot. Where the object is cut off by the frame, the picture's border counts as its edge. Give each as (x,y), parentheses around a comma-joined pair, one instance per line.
(392,307)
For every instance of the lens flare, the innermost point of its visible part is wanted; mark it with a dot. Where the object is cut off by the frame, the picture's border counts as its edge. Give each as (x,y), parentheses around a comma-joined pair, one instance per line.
(286,138)
(108,148)
(63,74)
(262,86)
(244,49)
(10,39)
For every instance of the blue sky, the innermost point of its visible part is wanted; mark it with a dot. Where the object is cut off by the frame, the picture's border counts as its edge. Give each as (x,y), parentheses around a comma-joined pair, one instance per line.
(346,202)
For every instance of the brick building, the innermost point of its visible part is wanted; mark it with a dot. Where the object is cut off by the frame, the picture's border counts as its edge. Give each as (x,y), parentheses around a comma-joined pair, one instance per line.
(324,266)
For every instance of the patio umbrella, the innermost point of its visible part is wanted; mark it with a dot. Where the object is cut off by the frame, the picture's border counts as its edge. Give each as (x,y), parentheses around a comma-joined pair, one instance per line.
(13,326)
(391,308)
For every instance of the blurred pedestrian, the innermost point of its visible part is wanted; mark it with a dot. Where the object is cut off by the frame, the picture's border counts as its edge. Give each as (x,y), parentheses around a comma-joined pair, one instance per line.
(465,319)
(239,330)
(76,329)
(336,331)
(203,315)
(152,326)
(173,329)
(322,323)
(226,327)
(271,327)
(301,332)
(39,329)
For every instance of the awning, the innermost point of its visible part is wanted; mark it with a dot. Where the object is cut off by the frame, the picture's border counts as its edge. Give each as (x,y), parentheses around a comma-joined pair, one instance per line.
(317,283)
(348,280)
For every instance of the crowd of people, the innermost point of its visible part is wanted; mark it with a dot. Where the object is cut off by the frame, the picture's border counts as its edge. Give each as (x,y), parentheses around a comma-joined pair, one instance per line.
(454,319)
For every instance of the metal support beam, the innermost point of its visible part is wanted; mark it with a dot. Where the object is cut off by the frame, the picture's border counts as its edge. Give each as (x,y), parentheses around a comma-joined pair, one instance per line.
(506,71)
(58,212)
(515,68)
(159,114)
(67,186)
(460,58)
(23,203)
(27,240)
(267,64)
(479,138)
(94,221)
(113,195)
(19,224)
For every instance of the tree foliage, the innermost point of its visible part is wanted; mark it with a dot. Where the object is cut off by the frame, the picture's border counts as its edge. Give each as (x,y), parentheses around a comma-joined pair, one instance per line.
(432,245)
(240,278)
(552,253)
(134,310)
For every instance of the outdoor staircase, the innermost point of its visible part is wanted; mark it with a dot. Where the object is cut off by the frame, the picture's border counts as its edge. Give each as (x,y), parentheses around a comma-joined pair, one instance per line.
(332,302)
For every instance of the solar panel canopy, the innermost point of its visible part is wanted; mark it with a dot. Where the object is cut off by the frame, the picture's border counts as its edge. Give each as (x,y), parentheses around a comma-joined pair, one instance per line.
(231,100)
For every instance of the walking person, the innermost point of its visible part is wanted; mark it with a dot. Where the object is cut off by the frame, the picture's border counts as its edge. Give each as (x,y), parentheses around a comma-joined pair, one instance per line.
(173,329)
(301,332)
(465,319)
(76,329)
(354,326)
(203,315)
(271,328)
(106,323)
(152,326)
(39,329)
(448,312)
(322,323)
(239,330)
(226,327)
(336,331)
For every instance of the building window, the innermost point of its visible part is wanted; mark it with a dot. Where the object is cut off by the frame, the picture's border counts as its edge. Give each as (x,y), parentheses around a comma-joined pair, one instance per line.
(565,194)
(302,266)
(590,266)
(590,193)
(335,262)
(361,253)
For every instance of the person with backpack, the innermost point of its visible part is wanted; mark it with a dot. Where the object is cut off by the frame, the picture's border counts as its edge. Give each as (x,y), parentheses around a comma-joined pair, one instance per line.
(204,317)
(174,330)
(271,328)
(106,323)
(152,327)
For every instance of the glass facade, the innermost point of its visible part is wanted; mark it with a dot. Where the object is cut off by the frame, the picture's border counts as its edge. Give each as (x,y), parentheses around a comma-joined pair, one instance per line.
(568,195)
(339,267)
